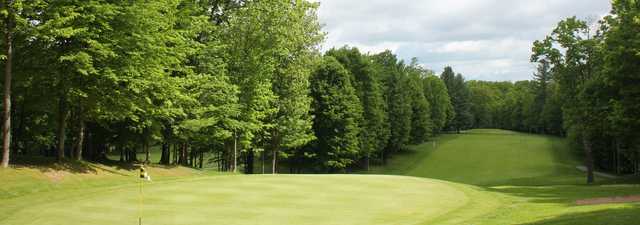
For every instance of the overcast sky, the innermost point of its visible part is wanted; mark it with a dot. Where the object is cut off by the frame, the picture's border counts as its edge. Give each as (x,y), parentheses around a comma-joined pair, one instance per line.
(482,39)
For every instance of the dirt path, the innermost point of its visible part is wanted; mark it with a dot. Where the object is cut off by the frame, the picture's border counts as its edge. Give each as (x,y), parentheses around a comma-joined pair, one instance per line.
(608,200)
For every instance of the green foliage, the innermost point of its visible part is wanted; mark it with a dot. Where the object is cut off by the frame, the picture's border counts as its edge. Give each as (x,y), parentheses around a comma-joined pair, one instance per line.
(622,53)
(398,98)
(421,124)
(374,131)
(441,109)
(460,99)
(337,114)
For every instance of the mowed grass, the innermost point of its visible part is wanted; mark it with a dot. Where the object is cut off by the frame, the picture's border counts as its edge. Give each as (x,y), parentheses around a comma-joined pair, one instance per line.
(238,199)
(478,177)
(489,158)
(533,177)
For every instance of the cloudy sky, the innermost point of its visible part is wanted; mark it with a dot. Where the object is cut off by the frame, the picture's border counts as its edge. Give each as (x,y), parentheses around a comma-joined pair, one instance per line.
(482,39)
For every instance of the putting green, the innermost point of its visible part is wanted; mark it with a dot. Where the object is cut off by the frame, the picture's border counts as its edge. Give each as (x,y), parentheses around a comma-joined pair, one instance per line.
(260,199)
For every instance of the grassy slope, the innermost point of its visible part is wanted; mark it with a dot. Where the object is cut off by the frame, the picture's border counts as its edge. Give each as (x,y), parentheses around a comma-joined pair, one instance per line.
(532,177)
(491,177)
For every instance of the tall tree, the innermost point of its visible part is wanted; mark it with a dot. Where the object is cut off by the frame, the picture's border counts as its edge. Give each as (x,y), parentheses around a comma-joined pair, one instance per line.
(337,115)
(542,78)
(399,111)
(9,14)
(459,93)
(251,47)
(572,51)
(374,132)
(441,109)
(421,124)
(622,70)
(295,58)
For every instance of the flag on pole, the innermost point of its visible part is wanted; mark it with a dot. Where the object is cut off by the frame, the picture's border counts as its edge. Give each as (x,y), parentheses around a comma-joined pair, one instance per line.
(145,177)
(143,174)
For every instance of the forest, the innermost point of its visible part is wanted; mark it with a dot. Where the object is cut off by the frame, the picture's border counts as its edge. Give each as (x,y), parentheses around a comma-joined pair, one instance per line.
(234,82)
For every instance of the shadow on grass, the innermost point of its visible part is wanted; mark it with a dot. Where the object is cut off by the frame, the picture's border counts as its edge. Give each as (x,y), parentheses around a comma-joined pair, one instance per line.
(619,216)
(566,194)
(47,164)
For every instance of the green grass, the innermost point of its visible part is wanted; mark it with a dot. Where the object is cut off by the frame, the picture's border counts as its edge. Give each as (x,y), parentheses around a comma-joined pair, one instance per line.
(532,176)
(260,199)
(490,158)
(478,177)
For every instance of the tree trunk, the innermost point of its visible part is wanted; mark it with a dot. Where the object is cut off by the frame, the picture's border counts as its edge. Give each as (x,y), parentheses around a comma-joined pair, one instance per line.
(263,159)
(366,163)
(183,156)
(121,153)
(617,158)
(201,160)
(235,153)
(175,154)
(90,152)
(80,143)
(15,149)
(164,159)
(62,126)
(248,169)
(146,151)
(6,128)
(588,158)
(275,147)
(274,161)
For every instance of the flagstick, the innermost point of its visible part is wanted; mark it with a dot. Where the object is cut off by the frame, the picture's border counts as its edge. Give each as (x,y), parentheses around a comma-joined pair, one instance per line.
(140,206)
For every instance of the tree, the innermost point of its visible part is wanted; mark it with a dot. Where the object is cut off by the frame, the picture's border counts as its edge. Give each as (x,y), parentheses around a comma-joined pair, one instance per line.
(9,14)
(575,68)
(295,58)
(421,125)
(459,93)
(398,100)
(622,73)
(374,132)
(337,115)
(441,109)
(251,46)
(542,78)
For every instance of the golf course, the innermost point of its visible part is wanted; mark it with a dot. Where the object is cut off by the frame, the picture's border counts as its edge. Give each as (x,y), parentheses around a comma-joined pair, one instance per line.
(476,177)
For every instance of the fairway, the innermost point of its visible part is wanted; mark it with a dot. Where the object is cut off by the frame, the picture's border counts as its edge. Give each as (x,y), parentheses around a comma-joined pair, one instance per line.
(496,157)
(533,179)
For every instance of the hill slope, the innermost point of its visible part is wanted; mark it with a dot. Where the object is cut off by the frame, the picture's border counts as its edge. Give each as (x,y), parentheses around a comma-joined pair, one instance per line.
(533,176)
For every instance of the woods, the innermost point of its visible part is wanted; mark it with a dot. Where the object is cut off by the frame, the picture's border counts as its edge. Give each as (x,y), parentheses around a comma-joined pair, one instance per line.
(232,83)
(585,88)
(229,79)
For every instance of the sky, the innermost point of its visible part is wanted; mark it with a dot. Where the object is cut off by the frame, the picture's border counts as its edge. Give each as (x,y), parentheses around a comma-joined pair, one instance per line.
(482,39)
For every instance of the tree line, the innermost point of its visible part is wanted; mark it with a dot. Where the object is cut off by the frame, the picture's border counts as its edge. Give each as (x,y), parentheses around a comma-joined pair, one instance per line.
(586,87)
(237,79)
(241,79)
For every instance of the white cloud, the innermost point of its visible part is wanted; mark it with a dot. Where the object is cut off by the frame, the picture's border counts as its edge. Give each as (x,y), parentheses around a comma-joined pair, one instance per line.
(483,39)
